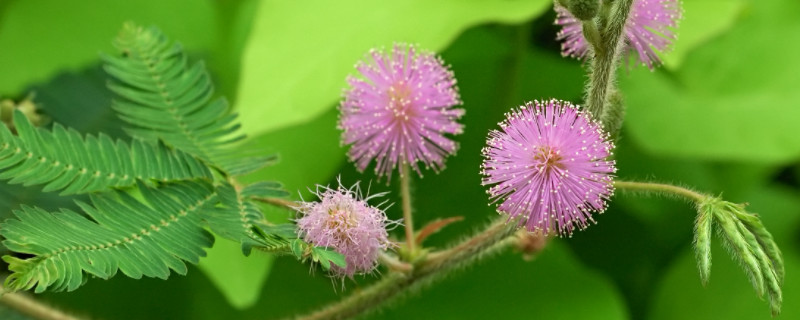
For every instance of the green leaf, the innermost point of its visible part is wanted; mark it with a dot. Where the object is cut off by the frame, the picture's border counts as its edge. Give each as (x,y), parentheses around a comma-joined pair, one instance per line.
(702,241)
(238,218)
(70,33)
(64,160)
(118,232)
(61,95)
(310,155)
(162,97)
(702,21)
(327,258)
(238,277)
(294,65)
(681,297)
(732,99)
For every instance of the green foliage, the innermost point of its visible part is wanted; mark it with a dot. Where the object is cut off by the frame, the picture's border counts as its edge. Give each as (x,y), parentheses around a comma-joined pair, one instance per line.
(748,242)
(63,43)
(294,67)
(63,160)
(702,21)
(118,232)
(714,107)
(162,97)
(702,240)
(239,218)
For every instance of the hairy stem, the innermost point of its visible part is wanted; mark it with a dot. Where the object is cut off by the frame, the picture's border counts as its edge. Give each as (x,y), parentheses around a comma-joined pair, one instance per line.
(279,202)
(32,308)
(495,237)
(661,188)
(606,53)
(405,194)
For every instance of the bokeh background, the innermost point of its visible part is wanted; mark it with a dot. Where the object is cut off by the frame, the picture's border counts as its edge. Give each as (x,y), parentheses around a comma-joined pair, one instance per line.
(722,115)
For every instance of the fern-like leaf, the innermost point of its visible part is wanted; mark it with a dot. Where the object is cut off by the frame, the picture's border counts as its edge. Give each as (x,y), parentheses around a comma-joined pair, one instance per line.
(63,160)
(239,218)
(162,97)
(139,238)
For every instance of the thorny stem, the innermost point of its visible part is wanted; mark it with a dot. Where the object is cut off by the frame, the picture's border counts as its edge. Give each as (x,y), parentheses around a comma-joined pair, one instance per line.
(495,237)
(32,308)
(606,53)
(405,194)
(661,188)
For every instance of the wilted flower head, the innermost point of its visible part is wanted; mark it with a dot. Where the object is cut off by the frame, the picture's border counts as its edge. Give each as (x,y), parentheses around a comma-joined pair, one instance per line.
(343,220)
(649,30)
(400,111)
(547,164)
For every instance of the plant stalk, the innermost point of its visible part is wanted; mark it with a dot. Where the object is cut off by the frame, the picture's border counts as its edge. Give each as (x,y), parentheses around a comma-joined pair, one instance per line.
(32,308)
(492,239)
(606,55)
(688,194)
(405,194)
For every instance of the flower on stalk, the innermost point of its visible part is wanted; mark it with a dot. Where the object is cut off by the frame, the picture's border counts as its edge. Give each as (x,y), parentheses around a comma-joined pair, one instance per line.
(400,111)
(548,164)
(648,31)
(342,220)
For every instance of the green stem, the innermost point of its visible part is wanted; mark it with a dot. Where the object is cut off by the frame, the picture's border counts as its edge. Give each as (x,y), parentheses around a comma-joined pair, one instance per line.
(606,53)
(662,189)
(32,308)
(405,194)
(495,237)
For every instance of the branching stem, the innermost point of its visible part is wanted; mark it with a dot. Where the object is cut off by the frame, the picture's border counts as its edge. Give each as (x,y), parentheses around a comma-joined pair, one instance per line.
(32,308)
(493,238)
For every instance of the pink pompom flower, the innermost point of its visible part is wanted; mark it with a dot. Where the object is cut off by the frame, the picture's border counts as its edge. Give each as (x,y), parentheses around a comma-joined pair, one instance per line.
(548,164)
(400,111)
(344,221)
(648,31)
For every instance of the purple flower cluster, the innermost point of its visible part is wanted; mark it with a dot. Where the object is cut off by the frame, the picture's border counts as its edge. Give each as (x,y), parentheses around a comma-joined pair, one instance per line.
(400,111)
(548,164)
(343,220)
(648,31)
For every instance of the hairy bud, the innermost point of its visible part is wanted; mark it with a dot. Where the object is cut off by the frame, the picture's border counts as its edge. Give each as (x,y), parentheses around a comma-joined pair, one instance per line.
(584,9)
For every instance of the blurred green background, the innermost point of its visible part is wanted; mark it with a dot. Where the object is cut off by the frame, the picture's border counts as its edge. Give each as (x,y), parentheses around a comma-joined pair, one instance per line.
(721,115)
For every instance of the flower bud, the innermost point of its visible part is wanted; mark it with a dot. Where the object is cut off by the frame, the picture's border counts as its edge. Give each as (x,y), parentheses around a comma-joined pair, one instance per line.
(584,9)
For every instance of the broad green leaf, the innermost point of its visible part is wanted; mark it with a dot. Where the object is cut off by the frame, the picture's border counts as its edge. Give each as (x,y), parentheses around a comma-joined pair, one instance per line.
(702,21)
(69,34)
(299,52)
(310,154)
(238,277)
(734,98)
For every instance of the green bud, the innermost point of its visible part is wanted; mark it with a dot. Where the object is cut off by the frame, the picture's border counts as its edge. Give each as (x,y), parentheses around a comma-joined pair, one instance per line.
(584,9)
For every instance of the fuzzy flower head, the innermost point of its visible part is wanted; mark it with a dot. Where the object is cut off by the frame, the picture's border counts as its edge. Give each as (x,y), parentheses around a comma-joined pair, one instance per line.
(650,29)
(400,111)
(343,221)
(547,164)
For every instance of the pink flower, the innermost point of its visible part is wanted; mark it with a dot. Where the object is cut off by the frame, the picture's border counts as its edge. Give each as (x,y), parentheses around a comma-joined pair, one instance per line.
(401,111)
(548,164)
(648,31)
(343,221)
